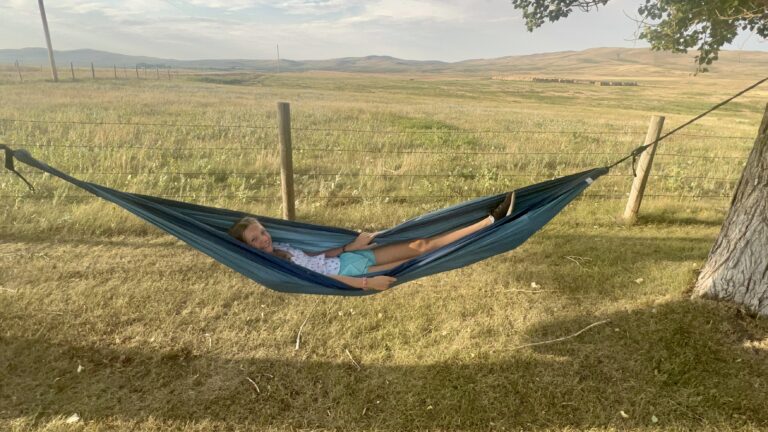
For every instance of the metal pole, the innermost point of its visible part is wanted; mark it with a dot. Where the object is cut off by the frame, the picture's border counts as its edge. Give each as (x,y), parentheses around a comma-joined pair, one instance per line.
(48,41)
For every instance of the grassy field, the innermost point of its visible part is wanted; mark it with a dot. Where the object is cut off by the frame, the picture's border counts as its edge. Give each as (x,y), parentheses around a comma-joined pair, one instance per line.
(103,316)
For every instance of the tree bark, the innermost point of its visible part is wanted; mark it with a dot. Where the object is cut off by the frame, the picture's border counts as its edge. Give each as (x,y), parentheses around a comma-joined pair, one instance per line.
(737,267)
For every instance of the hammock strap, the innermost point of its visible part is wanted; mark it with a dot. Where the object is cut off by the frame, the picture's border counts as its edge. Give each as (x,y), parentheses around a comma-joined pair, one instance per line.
(9,165)
(636,152)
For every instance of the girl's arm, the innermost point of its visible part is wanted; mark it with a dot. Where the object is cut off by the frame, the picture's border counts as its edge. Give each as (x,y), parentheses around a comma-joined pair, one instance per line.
(378,283)
(363,241)
(330,253)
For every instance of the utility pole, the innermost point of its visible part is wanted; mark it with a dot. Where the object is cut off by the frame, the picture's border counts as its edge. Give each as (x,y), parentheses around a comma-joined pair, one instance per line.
(48,41)
(18,69)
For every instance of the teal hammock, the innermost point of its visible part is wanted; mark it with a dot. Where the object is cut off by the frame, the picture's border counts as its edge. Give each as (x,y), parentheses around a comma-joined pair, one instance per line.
(205,228)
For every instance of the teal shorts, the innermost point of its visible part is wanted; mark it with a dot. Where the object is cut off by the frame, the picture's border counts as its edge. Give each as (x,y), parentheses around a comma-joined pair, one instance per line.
(356,263)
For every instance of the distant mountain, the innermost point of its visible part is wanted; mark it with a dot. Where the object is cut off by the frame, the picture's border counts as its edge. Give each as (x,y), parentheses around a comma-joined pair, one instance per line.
(595,61)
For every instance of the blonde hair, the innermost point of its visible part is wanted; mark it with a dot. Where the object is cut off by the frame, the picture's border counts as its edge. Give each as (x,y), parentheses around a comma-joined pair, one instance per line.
(238,230)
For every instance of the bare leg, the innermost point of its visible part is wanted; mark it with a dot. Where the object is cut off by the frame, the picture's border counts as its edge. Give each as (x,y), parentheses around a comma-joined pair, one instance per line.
(404,251)
(387,266)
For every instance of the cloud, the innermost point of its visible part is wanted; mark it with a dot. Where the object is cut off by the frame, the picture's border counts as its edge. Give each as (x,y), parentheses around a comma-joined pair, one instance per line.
(417,29)
(411,10)
(289,7)
(16,4)
(226,5)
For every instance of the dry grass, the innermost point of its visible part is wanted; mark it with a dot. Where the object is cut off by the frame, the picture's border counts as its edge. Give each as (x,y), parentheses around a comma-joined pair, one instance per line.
(103,316)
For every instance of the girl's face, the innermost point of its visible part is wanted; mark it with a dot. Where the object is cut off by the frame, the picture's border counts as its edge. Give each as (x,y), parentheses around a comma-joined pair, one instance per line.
(256,236)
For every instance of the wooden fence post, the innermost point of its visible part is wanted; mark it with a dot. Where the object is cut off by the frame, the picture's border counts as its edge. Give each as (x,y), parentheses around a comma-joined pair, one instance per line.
(93,72)
(286,159)
(114,67)
(643,170)
(157,72)
(137,71)
(72,70)
(18,69)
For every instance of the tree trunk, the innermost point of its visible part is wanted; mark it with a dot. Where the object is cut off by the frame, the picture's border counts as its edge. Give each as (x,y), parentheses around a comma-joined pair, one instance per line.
(737,267)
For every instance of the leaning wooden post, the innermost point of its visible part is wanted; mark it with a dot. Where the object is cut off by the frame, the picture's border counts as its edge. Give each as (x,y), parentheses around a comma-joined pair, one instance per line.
(72,69)
(286,159)
(643,170)
(93,72)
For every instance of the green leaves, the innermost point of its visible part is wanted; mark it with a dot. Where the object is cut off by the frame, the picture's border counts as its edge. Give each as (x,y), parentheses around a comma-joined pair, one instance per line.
(670,25)
(536,12)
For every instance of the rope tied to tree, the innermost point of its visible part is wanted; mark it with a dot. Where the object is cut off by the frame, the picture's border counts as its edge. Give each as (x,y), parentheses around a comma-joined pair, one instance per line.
(639,150)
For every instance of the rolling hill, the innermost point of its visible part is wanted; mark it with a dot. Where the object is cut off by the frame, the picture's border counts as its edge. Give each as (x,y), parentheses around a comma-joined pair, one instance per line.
(596,61)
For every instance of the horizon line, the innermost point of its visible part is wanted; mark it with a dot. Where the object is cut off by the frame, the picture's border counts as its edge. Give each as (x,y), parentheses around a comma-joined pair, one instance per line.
(377,55)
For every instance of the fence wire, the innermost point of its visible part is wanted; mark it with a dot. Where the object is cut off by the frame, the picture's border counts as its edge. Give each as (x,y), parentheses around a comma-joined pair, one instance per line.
(617,132)
(360,151)
(585,196)
(276,175)
(370,149)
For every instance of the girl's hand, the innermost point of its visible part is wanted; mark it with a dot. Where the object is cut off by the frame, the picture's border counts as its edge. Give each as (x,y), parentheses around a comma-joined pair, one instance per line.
(363,241)
(379,283)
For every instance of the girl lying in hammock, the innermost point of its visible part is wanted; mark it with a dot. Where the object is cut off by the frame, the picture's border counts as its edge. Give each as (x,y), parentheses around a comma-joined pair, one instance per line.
(348,263)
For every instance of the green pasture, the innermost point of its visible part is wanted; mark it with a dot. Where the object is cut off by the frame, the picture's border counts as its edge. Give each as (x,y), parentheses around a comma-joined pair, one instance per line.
(104,316)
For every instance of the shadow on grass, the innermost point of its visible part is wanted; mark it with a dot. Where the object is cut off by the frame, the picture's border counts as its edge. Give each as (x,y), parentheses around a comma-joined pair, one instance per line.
(633,248)
(664,218)
(682,363)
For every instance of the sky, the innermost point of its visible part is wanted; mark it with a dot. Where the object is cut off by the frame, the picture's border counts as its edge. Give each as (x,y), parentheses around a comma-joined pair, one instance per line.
(447,30)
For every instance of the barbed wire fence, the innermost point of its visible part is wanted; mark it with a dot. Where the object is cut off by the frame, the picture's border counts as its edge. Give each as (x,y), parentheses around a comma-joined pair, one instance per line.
(80,71)
(368,150)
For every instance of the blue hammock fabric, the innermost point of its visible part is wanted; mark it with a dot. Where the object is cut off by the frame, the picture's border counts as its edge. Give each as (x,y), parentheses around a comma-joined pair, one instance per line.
(205,228)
